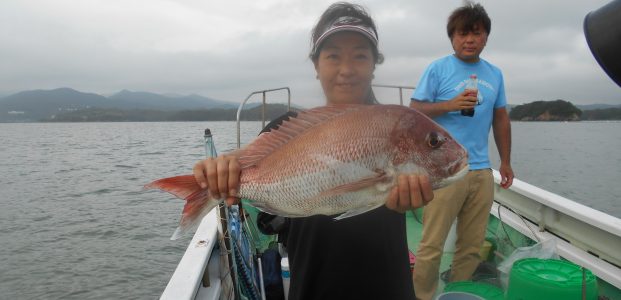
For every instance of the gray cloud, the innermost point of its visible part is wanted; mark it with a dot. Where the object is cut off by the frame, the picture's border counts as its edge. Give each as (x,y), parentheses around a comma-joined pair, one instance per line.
(225,51)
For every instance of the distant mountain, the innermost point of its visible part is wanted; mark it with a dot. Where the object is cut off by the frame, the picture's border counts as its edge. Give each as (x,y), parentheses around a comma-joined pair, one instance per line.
(272,111)
(613,113)
(38,104)
(144,100)
(32,106)
(597,106)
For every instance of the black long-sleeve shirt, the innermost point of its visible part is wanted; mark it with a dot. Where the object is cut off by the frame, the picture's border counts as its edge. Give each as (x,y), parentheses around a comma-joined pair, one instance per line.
(360,257)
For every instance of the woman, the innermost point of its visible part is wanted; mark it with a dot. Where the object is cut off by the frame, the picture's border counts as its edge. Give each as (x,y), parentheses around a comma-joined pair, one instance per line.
(364,256)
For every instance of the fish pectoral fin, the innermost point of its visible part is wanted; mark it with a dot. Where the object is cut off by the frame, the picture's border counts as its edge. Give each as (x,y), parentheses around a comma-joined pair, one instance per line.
(355,212)
(363,183)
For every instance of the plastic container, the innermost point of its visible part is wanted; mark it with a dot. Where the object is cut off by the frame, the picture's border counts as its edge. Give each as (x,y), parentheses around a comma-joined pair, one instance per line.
(485,250)
(458,296)
(451,238)
(545,279)
(481,289)
(210,147)
(284,267)
(412,260)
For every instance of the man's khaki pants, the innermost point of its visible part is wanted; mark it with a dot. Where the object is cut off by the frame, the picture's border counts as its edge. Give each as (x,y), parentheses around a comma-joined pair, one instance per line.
(469,200)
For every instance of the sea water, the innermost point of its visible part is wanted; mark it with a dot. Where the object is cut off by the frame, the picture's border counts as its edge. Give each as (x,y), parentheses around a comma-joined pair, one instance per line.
(76,224)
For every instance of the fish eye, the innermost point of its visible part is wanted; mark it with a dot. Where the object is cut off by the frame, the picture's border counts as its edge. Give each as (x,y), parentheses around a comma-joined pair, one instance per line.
(434,140)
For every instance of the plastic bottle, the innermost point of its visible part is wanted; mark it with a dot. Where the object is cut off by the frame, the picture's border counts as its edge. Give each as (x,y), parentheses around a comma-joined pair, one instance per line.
(210,147)
(474,91)
(284,267)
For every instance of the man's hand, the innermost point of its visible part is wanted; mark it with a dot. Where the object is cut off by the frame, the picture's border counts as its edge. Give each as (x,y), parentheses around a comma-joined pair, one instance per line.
(465,100)
(506,175)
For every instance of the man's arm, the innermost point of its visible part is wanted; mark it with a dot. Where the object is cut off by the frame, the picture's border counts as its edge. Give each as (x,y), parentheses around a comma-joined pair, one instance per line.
(502,135)
(464,100)
(430,109)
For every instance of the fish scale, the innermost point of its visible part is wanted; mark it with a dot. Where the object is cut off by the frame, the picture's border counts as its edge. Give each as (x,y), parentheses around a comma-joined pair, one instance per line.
(333,160)
(296,190)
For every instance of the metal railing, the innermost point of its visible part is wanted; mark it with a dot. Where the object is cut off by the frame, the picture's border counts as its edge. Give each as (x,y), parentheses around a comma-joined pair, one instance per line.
(241,106)
(400,87)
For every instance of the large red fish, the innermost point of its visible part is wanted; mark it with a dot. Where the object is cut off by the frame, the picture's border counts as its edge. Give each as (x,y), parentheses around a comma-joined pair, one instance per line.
(331,160)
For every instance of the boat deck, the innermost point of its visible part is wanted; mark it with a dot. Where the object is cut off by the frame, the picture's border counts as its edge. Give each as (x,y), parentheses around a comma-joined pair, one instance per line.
(506,231)
(505,239)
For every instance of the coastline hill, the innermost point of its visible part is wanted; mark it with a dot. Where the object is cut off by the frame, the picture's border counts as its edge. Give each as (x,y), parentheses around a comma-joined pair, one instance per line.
(69,105)
(558,110)
(38,105)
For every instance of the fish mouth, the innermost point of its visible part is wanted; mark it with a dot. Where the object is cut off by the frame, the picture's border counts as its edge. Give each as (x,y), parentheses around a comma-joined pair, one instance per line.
(455,177)
(460,174)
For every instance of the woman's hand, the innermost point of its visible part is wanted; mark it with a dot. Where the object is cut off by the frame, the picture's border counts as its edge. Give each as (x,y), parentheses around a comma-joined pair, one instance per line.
(412,191)
(221,176)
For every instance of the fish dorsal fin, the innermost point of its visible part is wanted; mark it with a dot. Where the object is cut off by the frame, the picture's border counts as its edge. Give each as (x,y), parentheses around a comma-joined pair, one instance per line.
(288,130)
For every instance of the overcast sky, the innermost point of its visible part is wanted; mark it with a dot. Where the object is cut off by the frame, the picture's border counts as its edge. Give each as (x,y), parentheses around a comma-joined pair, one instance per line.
(227,49)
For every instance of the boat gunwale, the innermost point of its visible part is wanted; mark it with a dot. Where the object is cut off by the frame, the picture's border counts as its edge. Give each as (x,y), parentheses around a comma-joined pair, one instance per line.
(567,206)
(516,215)
(187,278)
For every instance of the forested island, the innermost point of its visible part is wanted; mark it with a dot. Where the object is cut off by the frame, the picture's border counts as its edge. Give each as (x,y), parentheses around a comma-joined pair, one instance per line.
(560,110)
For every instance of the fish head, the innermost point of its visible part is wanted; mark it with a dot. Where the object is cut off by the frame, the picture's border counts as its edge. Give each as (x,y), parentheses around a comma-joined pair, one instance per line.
(420,145)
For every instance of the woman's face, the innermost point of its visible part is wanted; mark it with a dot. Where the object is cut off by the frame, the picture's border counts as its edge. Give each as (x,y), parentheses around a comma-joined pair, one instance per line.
(345,68)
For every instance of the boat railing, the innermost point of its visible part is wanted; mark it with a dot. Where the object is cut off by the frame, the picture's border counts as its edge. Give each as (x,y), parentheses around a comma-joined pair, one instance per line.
(189,277)
(586,236)
(263,92)
(399,87)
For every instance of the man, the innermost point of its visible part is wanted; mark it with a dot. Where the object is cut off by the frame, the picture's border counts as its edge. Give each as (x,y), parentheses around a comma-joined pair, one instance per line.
(441,94)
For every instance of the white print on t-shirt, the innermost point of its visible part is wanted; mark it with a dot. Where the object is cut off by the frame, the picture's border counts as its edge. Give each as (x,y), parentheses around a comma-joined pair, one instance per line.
(480,82)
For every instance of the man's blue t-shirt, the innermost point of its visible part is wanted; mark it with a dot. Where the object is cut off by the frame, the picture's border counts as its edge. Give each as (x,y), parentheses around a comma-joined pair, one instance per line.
(444,79)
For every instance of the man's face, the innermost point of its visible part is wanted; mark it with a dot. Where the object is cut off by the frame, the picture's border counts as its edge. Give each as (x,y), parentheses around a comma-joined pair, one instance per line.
(468,45)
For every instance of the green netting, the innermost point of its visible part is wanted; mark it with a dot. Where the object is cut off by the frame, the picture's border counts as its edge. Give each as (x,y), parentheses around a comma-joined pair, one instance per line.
(262,241)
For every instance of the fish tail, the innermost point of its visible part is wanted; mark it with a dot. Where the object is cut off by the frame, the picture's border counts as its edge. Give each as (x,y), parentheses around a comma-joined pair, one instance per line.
(193,212)
(198,201)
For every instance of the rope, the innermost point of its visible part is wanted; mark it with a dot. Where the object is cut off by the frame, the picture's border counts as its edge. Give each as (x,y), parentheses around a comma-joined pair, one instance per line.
(245,267)
(583,284)
(502,224)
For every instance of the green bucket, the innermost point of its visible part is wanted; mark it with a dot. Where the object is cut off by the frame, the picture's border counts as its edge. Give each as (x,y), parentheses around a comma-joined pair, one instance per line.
(481,289)
(545,279)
